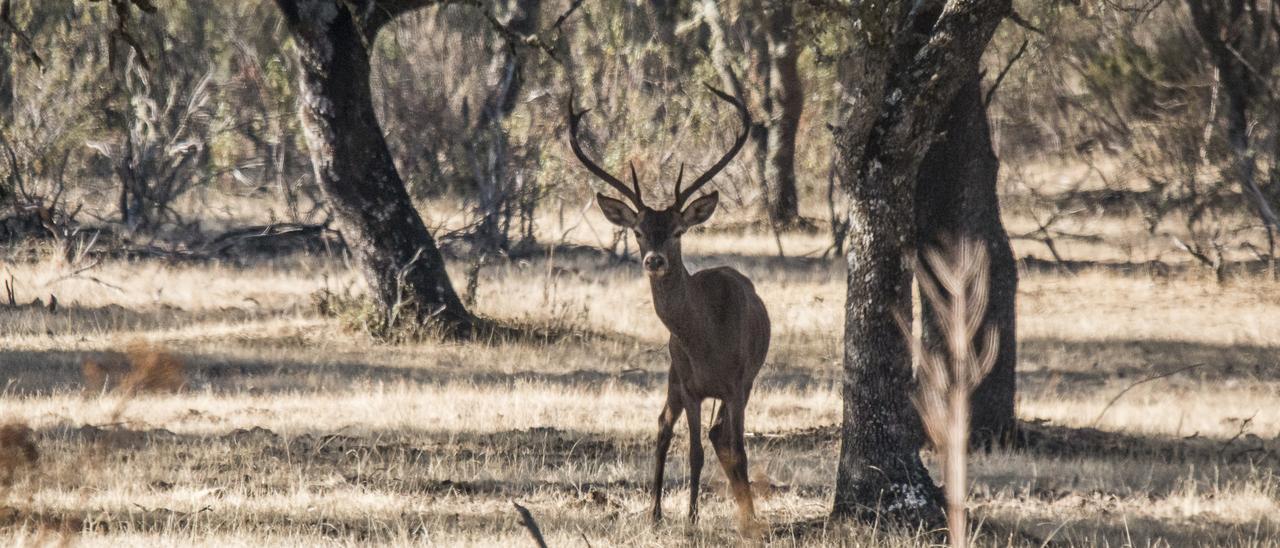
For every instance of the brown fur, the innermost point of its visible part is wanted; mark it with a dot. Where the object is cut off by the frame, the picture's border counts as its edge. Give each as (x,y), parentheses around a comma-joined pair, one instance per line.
(719,326)
(720,333)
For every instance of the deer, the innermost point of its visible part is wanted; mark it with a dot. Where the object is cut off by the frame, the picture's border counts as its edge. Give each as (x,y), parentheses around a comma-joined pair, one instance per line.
(719,327)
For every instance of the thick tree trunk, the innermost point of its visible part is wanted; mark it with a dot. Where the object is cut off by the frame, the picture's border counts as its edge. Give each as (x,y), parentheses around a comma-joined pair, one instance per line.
(956,199)
(908,66)
(353,166)
(786,100)
(880,470)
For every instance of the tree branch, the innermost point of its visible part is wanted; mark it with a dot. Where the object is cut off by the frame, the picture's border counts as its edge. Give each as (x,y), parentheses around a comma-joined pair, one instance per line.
(384,11)
(991,93)
(1021,21)
(955,45)
(1144,380)
(6,17)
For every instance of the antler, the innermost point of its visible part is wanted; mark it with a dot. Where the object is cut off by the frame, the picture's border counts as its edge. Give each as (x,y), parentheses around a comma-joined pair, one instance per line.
(681,196)
(591,166)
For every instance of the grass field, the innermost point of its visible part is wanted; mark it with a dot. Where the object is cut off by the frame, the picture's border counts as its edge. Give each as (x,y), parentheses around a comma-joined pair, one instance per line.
(294,430)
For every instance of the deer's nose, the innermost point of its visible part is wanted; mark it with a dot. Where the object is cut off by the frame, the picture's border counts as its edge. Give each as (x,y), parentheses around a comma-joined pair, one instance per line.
(654,262)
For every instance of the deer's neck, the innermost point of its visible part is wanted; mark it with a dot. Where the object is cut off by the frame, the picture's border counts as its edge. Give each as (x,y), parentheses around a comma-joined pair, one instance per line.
(672,302)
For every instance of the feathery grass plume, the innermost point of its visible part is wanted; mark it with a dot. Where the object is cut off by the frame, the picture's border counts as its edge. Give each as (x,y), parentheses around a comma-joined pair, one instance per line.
(142,367)
(152,369)
(955,285)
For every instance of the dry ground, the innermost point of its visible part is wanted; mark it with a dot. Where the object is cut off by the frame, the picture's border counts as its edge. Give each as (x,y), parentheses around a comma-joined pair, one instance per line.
(295,431)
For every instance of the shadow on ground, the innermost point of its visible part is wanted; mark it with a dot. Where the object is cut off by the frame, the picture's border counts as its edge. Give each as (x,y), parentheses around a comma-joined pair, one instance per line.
(1092,366)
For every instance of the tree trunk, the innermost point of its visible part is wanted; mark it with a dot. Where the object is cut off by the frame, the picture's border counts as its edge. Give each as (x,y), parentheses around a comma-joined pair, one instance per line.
(6,83)
(787,103)
(404,269)
(880,468)
(956,199)
(756,54)
(6,114)
(491,145)
(907,66)
(1236,33)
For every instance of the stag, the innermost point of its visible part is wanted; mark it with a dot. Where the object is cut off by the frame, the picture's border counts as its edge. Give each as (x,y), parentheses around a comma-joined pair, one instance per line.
(719,328)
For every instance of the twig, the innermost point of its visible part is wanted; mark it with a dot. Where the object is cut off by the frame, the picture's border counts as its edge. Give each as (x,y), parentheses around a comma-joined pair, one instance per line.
(122,9)
(560,20)
(1244,428)
(1141,381)
(1021,21)
(991,93)
(526,519)
(514,38)
(75,273)
(6,17)
(955,283)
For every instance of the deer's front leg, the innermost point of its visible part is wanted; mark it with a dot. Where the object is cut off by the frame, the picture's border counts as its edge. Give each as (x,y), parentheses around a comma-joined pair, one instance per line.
(666,426)
(693,414)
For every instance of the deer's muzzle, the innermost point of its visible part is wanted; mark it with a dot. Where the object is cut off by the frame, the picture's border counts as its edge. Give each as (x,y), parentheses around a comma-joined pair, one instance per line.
(655,263)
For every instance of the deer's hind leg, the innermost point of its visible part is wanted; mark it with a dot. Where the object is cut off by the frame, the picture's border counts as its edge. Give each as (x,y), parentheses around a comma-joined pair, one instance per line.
(727,437)
(666,427)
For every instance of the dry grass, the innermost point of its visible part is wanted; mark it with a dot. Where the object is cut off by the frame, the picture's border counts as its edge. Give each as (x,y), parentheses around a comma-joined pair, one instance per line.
(291,431)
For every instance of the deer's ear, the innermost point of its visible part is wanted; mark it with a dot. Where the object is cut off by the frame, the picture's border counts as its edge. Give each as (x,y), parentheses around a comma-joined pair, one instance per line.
(616,211)
(701,209)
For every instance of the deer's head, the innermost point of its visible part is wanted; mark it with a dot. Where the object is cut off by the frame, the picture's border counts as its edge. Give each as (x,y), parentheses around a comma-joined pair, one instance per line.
(658,231)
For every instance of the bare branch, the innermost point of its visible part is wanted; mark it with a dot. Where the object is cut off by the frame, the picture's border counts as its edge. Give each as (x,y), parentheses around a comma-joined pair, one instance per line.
(1144,380)
(6,17)
(991,93)
(1022,22)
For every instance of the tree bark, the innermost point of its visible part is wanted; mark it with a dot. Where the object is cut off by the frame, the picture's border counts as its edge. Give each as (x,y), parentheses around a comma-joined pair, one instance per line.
(786,101)
(956,199)
(353,166)
(6,114)
(909,64)
(6,83)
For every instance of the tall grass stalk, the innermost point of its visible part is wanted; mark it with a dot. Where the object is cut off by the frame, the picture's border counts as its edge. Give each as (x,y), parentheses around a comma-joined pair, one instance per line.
(955,286)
